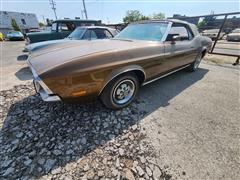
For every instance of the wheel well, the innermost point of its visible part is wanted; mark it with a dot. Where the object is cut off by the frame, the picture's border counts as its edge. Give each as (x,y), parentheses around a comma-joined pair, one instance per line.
(140,75)
(204,53)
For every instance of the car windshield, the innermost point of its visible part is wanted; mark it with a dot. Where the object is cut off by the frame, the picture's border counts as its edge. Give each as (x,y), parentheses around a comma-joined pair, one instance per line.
(15,33)
(145,31)
(77,33)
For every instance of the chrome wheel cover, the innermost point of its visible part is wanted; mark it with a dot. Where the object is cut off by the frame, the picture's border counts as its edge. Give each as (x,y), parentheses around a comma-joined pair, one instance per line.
(124,91)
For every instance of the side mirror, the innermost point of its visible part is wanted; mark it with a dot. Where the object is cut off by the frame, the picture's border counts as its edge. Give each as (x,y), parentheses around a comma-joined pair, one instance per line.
(175,38)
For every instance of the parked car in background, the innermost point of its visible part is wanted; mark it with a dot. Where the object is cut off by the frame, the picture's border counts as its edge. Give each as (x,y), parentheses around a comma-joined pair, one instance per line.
(35,30)
(80,33)
(15,36)
(234,35)
(212,33)
(1,36)
(59,30)
(114,69)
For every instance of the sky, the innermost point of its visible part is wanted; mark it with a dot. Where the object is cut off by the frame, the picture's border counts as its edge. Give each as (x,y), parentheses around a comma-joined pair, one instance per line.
(113,11)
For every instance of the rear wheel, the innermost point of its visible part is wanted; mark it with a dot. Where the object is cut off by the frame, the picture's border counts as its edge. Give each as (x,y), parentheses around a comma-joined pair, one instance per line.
(120,92)
(195,64)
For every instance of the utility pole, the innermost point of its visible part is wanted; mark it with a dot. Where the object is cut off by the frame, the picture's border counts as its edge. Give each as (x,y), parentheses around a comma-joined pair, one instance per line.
(85,10)
(53,4)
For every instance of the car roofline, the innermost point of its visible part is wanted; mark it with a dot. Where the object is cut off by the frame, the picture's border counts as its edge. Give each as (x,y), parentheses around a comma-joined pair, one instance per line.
(76,20)
(100,27)
(162,20)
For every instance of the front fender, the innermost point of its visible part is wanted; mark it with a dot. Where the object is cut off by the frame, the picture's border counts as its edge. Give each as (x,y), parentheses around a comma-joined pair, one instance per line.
(39,37)
(120,71)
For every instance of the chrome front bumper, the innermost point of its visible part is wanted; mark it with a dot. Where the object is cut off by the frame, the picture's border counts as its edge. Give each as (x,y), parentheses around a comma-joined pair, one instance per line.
(44,93)
(41,88)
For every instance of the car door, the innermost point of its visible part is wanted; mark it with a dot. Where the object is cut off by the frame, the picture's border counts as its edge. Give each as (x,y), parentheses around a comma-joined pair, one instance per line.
(182,51)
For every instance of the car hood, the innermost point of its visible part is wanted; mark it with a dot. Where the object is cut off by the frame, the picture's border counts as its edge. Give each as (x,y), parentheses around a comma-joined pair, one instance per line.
(58,54)
(45,44)
(39,33)
(234,34)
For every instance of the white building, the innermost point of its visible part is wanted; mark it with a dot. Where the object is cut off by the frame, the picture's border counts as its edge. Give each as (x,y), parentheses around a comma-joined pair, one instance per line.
(25,21)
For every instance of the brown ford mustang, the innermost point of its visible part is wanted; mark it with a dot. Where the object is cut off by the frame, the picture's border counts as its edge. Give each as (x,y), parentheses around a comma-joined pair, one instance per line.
(114,69)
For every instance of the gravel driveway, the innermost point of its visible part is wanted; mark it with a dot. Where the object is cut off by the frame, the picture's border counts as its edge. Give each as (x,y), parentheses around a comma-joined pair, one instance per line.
(185,126)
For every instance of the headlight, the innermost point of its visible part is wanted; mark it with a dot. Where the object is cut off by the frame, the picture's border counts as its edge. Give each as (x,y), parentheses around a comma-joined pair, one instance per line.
(28,48)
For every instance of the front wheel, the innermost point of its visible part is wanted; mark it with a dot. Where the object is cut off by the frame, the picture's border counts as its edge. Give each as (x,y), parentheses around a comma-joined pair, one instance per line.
(120,92)
(195,64)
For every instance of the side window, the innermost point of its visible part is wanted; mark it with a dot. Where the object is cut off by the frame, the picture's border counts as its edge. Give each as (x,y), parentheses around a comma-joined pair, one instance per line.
(90,34)
(180,30)
(114,32)
(87,35)
(190,34)
(108,34)
(66,27)
(93,35)
(97,34)
(62,27)
(71,26)
(54,27)
(100,33)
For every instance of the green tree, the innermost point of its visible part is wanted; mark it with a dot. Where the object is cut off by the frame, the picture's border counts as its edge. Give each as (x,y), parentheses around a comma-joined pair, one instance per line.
(134,15)
(207,21)
(144,17)
(41,24)
(157,16)
(15,26)
(201,24)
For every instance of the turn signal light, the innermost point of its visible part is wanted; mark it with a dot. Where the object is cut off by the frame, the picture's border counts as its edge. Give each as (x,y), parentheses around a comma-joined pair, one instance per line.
(80,93)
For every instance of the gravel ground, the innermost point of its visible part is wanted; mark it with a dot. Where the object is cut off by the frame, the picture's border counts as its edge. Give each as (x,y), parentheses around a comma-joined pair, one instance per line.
(184,126)
(71,141)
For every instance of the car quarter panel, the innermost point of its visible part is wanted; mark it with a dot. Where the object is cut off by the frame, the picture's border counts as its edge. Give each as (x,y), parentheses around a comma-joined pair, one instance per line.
(182,52)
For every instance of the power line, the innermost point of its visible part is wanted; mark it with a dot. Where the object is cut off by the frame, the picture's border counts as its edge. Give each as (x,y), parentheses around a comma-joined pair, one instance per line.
(53,4)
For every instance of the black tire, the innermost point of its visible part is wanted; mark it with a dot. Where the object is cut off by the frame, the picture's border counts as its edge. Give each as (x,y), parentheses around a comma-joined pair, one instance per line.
(194,66)
(108,95)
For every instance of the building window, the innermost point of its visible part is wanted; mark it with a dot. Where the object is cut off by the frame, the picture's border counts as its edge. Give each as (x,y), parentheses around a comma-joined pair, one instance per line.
(23,21)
